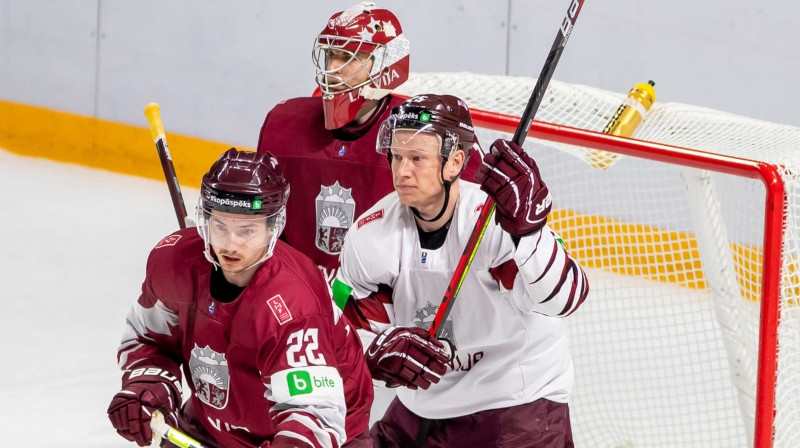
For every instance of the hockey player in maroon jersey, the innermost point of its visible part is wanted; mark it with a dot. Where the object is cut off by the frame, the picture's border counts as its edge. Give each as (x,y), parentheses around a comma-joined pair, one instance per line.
(248,322)
(505,375)
(326,146)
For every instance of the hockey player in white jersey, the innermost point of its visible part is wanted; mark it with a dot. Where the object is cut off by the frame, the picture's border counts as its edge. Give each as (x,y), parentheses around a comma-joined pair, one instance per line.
(508,380)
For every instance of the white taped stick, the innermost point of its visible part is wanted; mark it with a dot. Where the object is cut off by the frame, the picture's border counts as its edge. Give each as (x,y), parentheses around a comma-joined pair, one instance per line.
(161,430)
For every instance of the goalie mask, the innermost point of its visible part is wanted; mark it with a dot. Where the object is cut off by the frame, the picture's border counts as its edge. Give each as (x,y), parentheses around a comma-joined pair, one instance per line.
(360,55)
(242,203)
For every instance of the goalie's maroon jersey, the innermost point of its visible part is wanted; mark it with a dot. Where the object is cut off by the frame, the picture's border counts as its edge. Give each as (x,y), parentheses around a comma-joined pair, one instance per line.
(228,352)
(335,176)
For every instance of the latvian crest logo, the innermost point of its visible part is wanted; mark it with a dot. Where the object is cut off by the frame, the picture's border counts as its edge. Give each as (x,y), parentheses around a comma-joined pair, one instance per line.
(210,376)
(424,319)
(335,214)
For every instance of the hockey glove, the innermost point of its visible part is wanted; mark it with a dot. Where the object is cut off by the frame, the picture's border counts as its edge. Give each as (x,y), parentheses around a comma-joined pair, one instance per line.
(407,356)
(511,178)
(143,391)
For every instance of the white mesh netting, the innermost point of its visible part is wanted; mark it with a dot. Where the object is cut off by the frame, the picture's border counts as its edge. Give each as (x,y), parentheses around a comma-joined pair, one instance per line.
(666,346)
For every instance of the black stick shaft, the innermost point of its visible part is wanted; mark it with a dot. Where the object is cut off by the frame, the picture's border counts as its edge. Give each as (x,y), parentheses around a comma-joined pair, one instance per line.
(460,273)
(548,68)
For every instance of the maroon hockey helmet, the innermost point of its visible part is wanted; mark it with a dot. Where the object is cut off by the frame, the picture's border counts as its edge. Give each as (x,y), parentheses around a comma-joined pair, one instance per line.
(444,115)
(243,183)
(366,35)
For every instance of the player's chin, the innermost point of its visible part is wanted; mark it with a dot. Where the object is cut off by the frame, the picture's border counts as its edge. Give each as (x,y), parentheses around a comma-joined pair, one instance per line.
(410,201)
(407,195)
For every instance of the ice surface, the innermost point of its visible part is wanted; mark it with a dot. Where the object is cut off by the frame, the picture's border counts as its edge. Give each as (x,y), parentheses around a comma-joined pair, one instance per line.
(75,245)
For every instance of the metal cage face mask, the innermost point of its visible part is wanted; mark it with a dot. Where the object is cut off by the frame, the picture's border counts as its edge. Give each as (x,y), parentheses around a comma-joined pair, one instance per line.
(340,79)
(373,33)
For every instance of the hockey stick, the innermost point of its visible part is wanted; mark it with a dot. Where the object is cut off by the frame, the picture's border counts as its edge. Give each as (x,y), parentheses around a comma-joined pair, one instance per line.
(161,430)
(153,114)
(519,137)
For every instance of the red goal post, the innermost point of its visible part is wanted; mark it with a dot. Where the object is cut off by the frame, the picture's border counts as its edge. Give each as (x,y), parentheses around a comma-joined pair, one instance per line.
(711,295)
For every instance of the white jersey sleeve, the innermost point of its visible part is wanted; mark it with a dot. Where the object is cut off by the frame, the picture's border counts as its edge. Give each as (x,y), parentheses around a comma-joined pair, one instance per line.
(370,261)
(554,283)
(505,324)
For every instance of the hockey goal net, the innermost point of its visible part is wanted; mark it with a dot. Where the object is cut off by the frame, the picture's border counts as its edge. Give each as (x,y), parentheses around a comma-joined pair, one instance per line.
(689,233)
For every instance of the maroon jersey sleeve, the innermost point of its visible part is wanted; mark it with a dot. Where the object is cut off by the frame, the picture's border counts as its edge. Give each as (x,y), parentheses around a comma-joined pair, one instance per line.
(152,336)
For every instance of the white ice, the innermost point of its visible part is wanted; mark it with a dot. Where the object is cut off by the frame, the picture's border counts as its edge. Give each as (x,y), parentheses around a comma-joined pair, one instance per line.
(76,242)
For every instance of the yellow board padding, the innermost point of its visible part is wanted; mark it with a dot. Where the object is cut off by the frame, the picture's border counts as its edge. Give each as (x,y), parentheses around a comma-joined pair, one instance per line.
(67,137)
(597,242)
(649,252)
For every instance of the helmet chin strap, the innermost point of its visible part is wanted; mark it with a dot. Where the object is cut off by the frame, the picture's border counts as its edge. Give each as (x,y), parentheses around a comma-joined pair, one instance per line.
(447,184)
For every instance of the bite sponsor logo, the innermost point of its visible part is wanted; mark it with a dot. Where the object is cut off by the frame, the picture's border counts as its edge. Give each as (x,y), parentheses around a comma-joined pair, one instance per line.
(301,382)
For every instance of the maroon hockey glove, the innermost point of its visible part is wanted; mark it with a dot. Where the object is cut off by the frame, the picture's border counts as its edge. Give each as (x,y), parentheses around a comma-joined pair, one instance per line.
(407,356)
(511,178)
(143,391)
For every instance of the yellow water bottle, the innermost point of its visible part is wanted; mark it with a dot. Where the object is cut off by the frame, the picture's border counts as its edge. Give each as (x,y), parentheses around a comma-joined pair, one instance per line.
(625,120)
(631,112)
